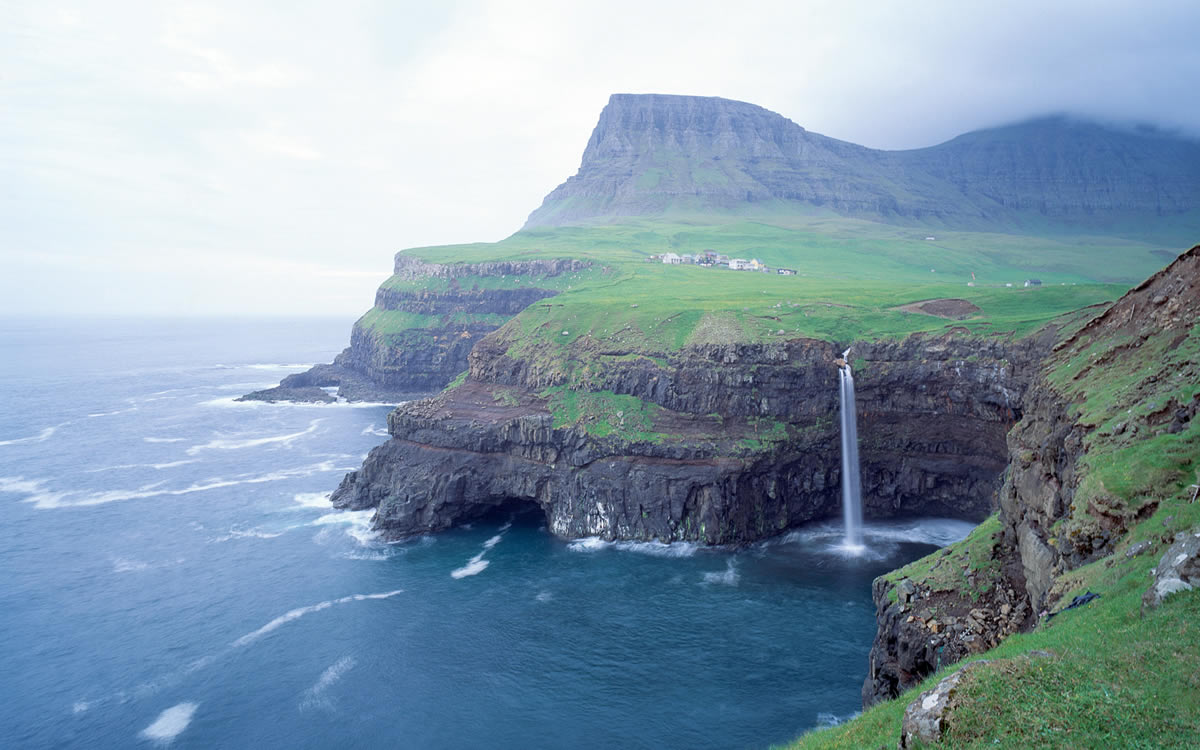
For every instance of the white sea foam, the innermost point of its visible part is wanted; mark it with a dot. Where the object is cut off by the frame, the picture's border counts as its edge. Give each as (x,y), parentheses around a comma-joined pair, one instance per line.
(934,531)
(160,467)
(374,555)
(357,523)
(275,366)
(473,568)
(544,596)
(248,534)
(112,413)
(233,403)
(296,614)
(657,549)
(371,430)
(80,706)
(237,444)
(826,719)
(493,541)
(164,440)
(354,517)
(312,499)
(727,577)
(170,723)
(314,696)
(43,498)
(41,437)
(122,565)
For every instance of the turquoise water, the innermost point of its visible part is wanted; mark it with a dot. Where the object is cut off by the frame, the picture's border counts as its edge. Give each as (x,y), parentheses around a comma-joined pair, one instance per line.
(173,574)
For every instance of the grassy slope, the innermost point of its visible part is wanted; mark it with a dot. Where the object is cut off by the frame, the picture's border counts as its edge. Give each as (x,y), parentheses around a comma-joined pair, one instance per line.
(852,276)
(839,247)
(1115,678)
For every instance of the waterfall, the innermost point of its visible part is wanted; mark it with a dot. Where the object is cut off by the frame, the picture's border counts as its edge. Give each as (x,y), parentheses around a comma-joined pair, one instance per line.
(851,478)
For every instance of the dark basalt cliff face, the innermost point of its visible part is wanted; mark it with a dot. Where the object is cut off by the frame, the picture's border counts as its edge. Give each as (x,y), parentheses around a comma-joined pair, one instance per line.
(933,415)
(652,154)
(408,362)
(1126,356)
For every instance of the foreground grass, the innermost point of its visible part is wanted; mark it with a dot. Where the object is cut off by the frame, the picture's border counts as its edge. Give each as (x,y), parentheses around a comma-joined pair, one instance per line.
(1112,678)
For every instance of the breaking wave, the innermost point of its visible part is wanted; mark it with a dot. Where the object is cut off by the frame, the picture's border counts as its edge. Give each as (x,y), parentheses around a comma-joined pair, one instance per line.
(170,723)
(233,444)
(656,549)
(36,492)
(474,567)
(727,577)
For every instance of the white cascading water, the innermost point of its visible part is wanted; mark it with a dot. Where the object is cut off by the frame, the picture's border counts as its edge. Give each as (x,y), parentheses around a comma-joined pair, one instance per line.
(851,478)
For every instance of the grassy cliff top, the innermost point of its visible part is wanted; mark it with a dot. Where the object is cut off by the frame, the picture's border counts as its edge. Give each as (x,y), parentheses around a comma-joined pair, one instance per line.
(852,277)
(826,245)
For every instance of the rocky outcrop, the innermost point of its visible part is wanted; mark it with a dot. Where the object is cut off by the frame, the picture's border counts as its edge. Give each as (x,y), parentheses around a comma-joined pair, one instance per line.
(925,718)
(1052,531)
(924,625)
(440,311)
(473,450)
(651,154)
(742,445)
(1178,570)
(1126,376)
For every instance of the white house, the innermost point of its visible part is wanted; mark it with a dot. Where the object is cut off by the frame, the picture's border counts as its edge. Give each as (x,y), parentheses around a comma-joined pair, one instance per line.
(671,258)
(738,264)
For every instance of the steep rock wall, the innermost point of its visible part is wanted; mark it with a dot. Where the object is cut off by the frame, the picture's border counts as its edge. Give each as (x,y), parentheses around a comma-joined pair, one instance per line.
(933,413)
(385,364)
(1126,377)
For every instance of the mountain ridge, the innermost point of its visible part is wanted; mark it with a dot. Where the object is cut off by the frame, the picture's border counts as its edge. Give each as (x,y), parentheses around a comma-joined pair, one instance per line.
(657,155)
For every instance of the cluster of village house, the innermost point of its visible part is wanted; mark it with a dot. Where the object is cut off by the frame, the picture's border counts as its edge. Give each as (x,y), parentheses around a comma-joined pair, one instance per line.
(710,258)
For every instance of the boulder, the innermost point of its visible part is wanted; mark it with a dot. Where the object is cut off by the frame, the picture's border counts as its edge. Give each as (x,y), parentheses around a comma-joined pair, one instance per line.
(925,718)
(1178,570)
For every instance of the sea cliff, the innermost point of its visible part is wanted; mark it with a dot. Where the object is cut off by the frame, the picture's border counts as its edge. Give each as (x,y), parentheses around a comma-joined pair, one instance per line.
(1106,438)
(718,444)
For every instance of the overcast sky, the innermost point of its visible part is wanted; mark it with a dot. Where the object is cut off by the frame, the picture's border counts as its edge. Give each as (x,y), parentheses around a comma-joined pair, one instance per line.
(270,157)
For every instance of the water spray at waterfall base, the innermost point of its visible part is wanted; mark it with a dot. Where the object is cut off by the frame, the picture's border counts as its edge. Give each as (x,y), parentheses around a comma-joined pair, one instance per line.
(851,477)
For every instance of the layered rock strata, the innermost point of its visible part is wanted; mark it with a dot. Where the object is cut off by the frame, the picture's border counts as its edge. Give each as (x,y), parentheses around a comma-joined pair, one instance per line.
(408,361)
(743,441)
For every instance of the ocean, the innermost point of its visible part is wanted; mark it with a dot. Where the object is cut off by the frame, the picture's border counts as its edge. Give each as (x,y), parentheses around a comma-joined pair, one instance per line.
(173,574)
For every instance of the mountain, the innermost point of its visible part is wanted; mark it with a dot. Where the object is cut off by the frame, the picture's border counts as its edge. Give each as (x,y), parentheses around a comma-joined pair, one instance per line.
(658,155)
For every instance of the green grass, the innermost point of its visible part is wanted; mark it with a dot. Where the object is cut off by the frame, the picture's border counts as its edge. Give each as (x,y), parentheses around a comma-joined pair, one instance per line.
(604,413)
(1126,471)
(1116,678)
(943,570)
(828,246)
(656,309)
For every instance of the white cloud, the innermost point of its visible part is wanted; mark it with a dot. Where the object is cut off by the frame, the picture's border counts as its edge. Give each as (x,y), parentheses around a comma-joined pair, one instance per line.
(320,136)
